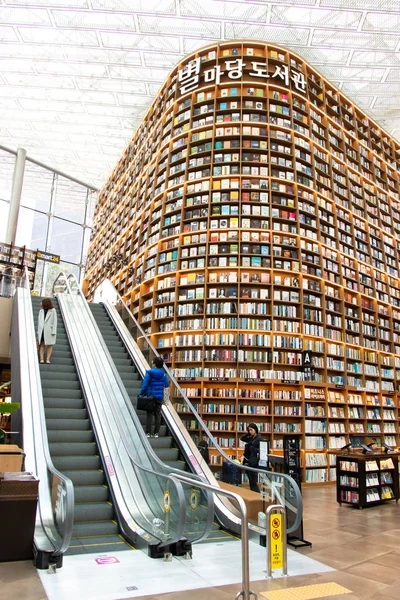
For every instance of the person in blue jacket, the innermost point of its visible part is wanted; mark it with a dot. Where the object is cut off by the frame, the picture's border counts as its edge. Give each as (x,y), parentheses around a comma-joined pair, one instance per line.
(154,383)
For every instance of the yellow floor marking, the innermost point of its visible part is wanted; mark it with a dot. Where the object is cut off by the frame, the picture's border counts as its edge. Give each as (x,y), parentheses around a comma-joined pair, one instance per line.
(126,542)
(101,544)
(78,537)
(307,592)
(210,539)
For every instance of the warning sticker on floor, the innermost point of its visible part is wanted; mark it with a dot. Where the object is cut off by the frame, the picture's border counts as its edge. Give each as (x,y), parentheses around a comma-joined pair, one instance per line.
(307,592)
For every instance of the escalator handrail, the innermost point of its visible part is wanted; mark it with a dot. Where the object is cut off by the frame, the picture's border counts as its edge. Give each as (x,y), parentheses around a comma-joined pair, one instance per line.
(143,437)
(137,466)
(291,482)
(37,398)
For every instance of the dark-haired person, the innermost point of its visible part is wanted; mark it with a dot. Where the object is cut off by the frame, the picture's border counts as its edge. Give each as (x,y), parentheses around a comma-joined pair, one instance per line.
(154,383)
(251,455)
(202,447)
(47,329)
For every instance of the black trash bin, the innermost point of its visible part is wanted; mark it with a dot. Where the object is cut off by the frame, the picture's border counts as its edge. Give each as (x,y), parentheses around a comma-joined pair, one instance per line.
(231,473)
(18,503)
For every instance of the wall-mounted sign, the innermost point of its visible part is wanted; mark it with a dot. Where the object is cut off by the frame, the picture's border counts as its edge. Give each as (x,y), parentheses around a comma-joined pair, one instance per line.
(263,460)
(47,257)
(307,358)
(189,75)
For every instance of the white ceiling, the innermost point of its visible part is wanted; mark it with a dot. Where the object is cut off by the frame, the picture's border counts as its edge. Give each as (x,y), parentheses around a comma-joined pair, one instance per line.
(76,76)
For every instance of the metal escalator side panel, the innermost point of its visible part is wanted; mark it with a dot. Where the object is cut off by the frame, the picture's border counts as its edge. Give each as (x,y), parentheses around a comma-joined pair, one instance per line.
(176,426)
(111,425)
(194,514)
(206,506)
(55,513)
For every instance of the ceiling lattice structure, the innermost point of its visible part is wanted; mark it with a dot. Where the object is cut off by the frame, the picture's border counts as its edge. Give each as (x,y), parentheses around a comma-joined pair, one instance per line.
(76,76)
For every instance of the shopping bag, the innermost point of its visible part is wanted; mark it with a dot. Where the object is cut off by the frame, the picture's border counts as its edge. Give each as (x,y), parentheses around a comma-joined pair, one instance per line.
(145,402)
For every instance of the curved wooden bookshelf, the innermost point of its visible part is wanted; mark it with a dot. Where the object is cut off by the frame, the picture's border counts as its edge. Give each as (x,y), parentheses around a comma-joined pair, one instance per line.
(252,225)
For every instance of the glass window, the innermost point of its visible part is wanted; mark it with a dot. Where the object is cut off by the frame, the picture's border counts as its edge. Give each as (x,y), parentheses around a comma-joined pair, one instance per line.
(92,199)
(66,240)
(32,229)
(86,241)
(37,187)
(70,200)
(7,161)
(51,272)
(4,206)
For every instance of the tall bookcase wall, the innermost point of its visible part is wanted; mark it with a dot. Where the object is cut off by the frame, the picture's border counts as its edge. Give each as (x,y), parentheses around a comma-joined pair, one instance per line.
(253,221)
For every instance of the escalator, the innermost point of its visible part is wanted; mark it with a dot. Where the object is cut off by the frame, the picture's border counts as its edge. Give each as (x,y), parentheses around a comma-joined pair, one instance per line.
(98,489)
(74,451)
(164,446)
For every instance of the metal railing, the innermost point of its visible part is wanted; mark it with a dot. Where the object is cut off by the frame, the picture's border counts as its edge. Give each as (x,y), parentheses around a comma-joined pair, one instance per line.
(245,591)
(282,488)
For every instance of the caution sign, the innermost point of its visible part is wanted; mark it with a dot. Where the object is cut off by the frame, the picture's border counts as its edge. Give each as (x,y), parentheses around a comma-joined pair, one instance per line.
(276,542)
(194,499)
(167,501)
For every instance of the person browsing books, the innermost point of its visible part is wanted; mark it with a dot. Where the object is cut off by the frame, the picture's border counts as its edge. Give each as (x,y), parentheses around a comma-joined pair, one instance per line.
(251,455)
(154,383)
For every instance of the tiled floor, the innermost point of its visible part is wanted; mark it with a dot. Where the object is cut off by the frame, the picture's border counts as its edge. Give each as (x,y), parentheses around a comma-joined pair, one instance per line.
(363,546)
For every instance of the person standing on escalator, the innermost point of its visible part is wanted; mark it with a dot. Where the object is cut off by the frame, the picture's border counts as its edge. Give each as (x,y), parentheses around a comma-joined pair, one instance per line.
(154,383)
(46,329)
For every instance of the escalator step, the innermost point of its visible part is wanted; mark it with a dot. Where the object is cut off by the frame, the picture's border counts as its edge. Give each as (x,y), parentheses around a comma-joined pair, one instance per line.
(70,463)
(66,413)
(70,424)
(167,454)
(163,441)
(124,366)
(177,464)
(93,511)
(56,376)
(48,385)
(59,370)
(73,449)
(64,403)
(60,361)
(71,436)
(90,528)
(91,493)
(86,477)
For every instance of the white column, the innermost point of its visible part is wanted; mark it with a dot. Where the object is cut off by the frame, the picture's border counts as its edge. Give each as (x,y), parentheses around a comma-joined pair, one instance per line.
(18,178)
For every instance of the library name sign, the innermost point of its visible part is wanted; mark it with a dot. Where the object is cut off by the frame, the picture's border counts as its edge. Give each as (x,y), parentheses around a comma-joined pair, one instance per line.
(189,75)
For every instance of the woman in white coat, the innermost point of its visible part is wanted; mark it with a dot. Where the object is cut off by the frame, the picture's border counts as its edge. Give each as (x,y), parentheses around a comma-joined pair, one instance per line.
(47,329)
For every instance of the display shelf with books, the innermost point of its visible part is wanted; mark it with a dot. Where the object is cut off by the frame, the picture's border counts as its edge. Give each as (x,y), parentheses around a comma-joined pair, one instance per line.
(13,261)
(375,477)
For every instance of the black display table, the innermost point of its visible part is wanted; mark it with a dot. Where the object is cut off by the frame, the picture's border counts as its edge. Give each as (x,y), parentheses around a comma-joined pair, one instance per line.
(365,480)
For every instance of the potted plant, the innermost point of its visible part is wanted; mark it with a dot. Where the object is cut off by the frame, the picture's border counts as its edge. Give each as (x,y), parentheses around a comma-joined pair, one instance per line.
(6,408)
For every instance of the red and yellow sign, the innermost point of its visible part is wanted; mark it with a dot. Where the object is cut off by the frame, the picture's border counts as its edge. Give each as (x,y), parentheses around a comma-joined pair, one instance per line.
(276,542)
